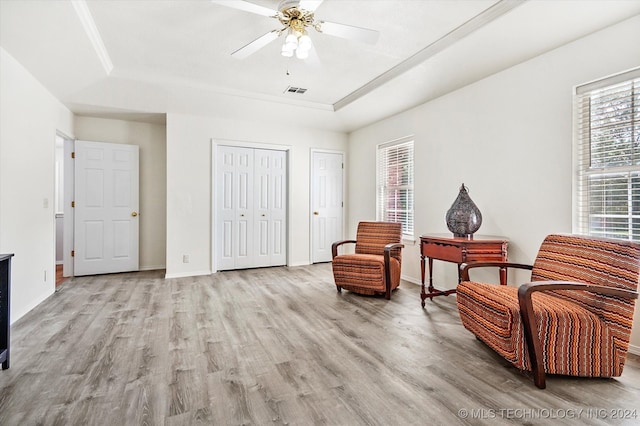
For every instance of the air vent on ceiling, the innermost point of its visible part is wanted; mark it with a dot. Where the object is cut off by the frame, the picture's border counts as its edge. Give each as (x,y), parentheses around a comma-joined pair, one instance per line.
(292,89)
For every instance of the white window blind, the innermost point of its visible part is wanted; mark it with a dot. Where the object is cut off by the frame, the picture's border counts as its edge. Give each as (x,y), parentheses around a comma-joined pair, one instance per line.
(395,183)
(608,142)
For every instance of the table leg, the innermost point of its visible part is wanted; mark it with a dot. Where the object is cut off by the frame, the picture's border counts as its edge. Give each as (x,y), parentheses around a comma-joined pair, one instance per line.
(430,275)
(422,292)
(503,276)
(433,292)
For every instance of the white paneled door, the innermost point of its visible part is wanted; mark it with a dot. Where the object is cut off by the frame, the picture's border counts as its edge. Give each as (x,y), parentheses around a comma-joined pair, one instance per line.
(251,188)
(326,203)
(106,208)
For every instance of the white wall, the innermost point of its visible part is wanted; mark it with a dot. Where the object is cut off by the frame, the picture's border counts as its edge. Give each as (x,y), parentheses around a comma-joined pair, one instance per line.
(189,189)
(151,138)
(29,118)
(508,138)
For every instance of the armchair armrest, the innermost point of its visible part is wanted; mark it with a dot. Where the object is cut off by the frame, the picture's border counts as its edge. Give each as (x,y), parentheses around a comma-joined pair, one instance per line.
(387,266)
(334,246)
(389,248)
(464,268)
(525,292)
(393,246)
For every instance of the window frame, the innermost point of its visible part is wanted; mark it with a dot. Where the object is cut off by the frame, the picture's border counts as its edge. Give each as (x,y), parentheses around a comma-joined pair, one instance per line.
(382,188)
(595,206)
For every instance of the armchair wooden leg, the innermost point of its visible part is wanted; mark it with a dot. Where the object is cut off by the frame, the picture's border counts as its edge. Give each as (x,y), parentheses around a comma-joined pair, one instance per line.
(339,289)
(539,378)
(387,275)
(531,336)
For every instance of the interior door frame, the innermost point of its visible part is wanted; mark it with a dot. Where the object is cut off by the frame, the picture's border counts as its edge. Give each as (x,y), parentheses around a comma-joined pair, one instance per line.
(68,191)
(214,205)
(68,235)
(312,152)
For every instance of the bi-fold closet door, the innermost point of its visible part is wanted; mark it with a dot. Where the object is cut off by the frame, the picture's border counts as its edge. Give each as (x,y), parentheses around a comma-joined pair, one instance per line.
(251,187)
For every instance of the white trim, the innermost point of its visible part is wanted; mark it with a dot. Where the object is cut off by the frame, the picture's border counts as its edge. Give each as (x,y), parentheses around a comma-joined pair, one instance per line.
(398,141)
(382,150)
(225,91)
(250,144)
(68,224)
(152,267)
(187,274)
(245,144)
(410,279)
(89,25)
(610,80)
(634,349)
(477,22)
(299,264)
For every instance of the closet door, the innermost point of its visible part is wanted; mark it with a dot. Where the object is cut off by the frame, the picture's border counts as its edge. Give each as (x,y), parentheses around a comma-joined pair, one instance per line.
(235,207)
(251,188)
(270,208)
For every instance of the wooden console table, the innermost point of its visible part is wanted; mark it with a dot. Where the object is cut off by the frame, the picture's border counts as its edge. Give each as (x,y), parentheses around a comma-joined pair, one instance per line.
(5,303)
(446,247)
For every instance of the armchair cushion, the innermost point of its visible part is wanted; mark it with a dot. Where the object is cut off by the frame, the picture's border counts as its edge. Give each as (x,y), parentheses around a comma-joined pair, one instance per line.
(364,273)
(571,333)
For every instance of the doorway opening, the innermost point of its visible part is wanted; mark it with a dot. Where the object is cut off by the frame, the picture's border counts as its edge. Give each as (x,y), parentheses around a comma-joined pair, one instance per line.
(63,194)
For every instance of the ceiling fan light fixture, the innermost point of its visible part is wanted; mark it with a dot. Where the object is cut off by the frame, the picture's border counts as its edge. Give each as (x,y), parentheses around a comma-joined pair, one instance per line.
(304,43)
(286,52)
(292,41)
(296,16)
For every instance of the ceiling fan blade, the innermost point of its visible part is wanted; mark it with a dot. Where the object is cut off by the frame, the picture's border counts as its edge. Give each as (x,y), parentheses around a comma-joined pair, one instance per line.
(256,45)
(350,32)
(310,5)
(246,6)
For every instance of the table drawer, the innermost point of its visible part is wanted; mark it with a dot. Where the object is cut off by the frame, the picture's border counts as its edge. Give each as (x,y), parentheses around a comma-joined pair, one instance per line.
(446,252)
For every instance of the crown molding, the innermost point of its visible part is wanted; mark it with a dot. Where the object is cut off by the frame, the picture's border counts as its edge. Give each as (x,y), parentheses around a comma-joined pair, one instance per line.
(84,14)
(485,17)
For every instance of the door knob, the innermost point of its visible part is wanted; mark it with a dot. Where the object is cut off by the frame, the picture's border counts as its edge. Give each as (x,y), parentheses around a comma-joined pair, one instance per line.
(316,213)
(134,214)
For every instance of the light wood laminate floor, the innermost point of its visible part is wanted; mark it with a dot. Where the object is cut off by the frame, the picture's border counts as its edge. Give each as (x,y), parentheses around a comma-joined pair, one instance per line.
(274,346)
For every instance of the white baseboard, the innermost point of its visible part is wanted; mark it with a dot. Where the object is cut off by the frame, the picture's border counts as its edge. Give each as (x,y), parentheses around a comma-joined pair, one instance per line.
(411,279)
(299,264)
(187,274)
(152,267)
(634,349)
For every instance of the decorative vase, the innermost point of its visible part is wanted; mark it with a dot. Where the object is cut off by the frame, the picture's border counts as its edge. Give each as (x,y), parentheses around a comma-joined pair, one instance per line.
(464,217)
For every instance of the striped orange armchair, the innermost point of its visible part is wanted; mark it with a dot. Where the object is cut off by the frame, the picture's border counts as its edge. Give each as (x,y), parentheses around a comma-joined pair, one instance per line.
(573,318)
(375,266)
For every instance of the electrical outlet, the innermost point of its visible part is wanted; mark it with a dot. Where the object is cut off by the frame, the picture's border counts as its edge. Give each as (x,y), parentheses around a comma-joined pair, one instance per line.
(185,258)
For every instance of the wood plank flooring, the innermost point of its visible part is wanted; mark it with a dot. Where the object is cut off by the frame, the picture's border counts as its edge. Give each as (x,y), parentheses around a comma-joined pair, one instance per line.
(274,346)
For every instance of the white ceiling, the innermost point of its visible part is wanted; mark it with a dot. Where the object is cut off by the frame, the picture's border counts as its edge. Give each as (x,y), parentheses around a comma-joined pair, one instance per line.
(139,59)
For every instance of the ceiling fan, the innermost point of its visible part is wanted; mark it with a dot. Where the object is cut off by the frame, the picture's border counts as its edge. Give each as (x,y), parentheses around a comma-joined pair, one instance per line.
(295,16)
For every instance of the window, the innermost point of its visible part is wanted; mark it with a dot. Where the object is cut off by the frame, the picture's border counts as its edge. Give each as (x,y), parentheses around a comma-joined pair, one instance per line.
(608,143)
(395,184)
